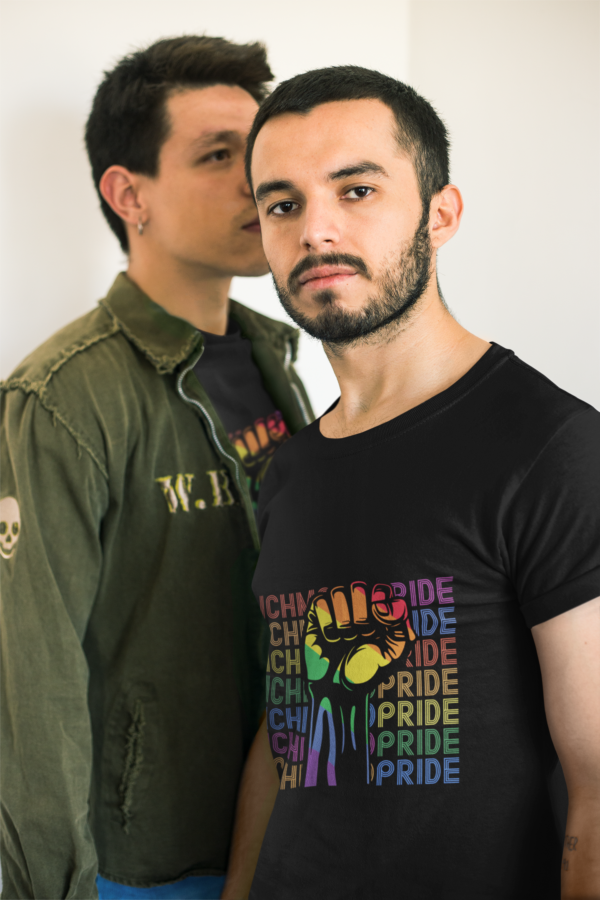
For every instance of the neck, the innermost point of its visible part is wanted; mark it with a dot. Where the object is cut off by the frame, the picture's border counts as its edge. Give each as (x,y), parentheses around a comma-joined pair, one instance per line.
(189,291)
(387,375)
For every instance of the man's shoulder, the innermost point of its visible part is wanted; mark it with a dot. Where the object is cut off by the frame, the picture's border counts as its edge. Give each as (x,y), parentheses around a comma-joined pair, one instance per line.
(74,377)
(533,397)
(521,414)
(77,338)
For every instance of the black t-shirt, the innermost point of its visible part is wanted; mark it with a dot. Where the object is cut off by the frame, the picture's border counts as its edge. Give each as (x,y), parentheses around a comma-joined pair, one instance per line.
(234,385)
(401,571)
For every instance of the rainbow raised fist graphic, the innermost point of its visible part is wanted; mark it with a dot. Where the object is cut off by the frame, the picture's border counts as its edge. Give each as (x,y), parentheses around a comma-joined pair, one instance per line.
(353,633)
(350,637)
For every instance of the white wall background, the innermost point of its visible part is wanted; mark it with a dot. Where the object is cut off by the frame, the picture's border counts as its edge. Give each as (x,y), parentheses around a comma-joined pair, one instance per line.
(515,80)
(518,84)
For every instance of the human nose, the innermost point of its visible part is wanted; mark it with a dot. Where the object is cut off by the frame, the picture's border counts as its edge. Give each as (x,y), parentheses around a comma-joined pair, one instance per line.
(320,231)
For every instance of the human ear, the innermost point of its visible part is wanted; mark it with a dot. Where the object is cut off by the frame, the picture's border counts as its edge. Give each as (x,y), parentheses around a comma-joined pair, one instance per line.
(445,214)
(120,188)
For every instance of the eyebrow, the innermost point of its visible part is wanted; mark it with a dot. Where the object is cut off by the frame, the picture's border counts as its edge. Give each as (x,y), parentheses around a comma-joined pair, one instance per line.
(210,138)
(362,168)
(269,187)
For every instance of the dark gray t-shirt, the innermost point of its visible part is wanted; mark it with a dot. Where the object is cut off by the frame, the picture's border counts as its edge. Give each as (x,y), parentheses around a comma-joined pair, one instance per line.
(400,574)
(234,385)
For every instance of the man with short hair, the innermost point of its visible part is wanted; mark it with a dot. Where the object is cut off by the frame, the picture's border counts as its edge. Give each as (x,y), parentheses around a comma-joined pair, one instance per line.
(420,542)
(135,442)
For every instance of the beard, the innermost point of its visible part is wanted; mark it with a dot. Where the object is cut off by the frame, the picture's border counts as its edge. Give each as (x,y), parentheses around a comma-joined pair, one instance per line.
(399,289)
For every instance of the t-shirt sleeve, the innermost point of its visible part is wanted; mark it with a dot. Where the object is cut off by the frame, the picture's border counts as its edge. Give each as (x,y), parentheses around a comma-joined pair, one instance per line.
(552,525)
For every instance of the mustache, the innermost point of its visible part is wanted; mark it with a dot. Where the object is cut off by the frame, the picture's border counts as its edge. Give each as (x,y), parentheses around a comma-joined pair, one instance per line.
(327,259)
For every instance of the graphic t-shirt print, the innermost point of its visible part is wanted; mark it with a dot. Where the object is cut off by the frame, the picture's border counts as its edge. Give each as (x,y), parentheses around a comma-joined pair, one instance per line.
(256,445)
(362,684)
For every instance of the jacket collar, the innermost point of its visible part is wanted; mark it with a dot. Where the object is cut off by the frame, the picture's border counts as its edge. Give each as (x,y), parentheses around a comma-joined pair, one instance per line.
(167,340)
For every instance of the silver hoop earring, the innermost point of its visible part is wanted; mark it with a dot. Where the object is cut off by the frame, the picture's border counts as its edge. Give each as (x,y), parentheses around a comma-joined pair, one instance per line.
(140,227)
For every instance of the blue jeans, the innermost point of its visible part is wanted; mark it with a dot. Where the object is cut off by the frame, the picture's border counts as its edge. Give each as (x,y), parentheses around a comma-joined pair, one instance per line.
(206,887)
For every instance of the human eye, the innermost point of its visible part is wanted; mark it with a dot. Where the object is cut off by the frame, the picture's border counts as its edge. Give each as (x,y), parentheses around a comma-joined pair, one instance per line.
(359,192)
(220,155)
(283,208)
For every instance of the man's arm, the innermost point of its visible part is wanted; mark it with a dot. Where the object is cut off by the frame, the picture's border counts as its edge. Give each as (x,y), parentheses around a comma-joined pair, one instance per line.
(50,575)
(568,648)
(256,797)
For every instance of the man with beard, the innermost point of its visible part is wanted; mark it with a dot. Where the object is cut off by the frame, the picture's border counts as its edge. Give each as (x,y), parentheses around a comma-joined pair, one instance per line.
(430,564)
(134,444)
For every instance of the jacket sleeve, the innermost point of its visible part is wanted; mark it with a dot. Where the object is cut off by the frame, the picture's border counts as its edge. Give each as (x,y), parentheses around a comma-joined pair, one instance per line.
(54,495)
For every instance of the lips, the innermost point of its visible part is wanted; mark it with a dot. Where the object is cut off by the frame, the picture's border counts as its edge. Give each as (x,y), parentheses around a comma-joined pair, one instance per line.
(326,276)
(253,226)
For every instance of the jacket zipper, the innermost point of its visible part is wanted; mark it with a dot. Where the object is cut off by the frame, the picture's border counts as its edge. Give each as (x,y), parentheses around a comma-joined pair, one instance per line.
(207,417)
(211,424)
(286,365)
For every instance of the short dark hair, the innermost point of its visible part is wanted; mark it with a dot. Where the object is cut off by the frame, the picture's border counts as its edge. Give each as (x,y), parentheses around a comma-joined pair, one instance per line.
(128,125)
(420,133)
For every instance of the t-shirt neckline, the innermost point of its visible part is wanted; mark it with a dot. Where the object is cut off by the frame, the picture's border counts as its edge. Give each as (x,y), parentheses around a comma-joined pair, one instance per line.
(336,447)
(232,335)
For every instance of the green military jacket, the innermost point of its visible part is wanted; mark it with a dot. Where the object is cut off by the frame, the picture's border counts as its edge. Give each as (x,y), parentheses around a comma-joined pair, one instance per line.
(131,644)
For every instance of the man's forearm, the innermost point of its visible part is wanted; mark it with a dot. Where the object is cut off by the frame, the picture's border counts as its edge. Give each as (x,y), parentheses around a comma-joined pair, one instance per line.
(255,801)
(580,858)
